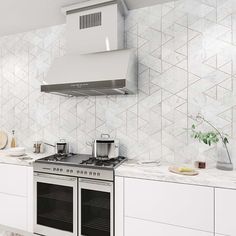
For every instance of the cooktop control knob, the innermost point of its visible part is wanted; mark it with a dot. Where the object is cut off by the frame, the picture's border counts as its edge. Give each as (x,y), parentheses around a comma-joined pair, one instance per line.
(98,174)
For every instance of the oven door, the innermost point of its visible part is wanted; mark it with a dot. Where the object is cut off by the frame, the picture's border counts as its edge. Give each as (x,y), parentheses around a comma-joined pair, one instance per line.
(96,208)
(55,205)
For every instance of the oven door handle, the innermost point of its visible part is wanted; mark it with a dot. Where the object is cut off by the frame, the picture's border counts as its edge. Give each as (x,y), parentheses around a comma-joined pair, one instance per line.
(88,181)
(55,177)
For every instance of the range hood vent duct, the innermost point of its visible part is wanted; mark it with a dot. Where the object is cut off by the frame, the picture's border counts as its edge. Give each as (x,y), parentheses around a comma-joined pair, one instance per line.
(90,20)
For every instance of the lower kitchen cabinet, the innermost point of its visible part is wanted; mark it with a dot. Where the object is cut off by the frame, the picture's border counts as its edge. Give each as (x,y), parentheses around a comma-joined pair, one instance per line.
(13,211)
(225,212)
(139,227)
(13,179)
(119,206)
(170,203)
(146,207)
(16,197)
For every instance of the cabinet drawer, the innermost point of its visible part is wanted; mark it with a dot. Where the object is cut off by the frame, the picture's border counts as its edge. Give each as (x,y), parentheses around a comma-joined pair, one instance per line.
(13,211)
(176,204)
(225,211)
(141,227)
(13,179)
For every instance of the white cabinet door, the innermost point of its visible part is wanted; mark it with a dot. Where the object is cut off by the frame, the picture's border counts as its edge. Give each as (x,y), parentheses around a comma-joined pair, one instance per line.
(13,179)
(30,198)
(225,211)
(135,227)
(13,211)
(119,203)
(16,196)
(176,204)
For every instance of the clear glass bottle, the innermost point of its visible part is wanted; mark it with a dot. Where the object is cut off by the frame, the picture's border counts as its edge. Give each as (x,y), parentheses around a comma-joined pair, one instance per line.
(13,139)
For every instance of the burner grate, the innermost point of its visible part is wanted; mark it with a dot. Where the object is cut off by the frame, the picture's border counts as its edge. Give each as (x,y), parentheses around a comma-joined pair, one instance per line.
(57,157)
(102,163)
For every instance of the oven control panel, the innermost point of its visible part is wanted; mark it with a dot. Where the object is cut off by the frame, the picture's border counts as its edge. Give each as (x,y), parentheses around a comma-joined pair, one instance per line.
(92,173)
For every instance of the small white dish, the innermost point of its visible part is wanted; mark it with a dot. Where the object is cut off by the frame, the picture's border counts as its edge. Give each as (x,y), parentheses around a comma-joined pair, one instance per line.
(16,152)
(149,163)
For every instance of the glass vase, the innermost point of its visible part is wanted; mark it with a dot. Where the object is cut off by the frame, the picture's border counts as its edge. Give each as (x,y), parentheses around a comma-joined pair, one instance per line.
(224,160)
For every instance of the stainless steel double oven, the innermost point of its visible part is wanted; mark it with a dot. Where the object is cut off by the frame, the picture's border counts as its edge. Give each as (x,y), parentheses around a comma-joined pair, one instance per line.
(72,206)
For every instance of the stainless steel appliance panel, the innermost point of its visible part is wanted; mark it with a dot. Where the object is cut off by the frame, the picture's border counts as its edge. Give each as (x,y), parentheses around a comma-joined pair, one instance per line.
(77,171)
(55,205)
(96,208)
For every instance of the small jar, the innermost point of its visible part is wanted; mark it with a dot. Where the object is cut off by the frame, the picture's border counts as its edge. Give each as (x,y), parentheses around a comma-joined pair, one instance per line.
(200,164)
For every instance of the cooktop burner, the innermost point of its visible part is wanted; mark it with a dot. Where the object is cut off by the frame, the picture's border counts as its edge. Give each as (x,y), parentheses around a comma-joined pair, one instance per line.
(82,160)
(100,163)
(56,157)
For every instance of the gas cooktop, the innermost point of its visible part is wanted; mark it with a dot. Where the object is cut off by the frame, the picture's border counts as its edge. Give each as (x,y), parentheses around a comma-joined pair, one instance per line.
(81,160)
(69,159)
(79,165)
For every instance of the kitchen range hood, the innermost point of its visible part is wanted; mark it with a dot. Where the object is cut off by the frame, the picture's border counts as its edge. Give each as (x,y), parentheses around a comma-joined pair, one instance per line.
(95,62)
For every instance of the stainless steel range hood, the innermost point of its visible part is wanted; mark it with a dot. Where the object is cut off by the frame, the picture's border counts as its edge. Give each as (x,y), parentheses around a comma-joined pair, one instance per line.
(106,73)
(95,63)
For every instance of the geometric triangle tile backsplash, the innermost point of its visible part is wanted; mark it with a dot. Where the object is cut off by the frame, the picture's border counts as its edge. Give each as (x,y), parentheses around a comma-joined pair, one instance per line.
(187,64)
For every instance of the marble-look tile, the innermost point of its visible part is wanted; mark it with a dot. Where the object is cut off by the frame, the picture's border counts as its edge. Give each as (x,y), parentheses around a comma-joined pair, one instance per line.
(187,64)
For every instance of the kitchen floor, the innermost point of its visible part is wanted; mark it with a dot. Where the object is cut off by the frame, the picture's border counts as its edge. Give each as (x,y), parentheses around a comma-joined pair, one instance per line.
(5,233)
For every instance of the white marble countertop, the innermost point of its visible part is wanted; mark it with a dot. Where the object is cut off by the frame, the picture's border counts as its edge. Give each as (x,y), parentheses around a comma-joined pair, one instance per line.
(207,177)
(7,159)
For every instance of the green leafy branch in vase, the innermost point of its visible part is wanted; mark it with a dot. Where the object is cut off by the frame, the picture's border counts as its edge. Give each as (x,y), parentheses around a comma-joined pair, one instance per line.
(211,137)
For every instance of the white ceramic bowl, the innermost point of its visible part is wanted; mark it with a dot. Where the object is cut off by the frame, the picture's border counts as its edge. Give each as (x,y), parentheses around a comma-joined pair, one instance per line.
(16,152)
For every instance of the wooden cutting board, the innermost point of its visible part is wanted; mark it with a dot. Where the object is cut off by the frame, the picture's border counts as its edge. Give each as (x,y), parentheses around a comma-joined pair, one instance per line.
(3,139)
(175,169)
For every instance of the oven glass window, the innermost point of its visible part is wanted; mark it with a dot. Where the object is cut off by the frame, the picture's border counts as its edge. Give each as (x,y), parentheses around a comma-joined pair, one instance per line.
(55,206)
(95,213)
